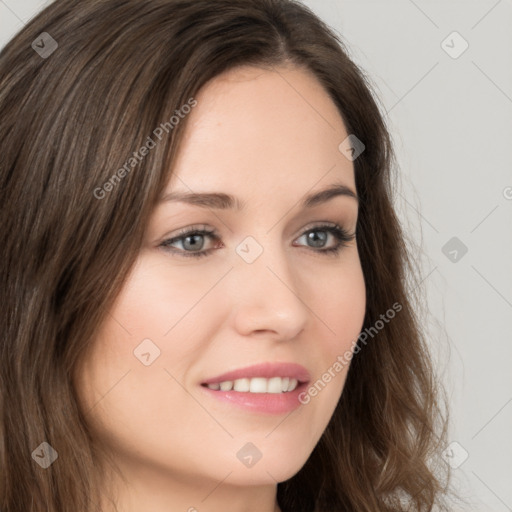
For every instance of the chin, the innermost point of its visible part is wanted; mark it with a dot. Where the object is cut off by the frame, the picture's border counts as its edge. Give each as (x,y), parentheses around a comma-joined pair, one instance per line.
(270,469)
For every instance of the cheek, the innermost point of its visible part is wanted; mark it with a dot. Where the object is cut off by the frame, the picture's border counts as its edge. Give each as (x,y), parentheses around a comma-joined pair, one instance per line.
(145,324)
(155,298)
(341,307)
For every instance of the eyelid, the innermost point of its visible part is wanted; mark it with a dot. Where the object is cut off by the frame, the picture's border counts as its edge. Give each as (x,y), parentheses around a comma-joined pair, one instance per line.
(200,229)
(190,229)
(341,235)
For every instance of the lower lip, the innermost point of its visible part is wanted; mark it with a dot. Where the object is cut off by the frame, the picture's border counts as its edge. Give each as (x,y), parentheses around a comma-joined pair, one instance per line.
(266,403)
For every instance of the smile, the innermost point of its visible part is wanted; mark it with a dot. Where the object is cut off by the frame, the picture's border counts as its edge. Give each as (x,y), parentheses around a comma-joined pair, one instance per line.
(256,385)
(264,388)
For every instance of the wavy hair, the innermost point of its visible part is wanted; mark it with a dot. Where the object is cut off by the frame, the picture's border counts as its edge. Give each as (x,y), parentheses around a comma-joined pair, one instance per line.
(68,120)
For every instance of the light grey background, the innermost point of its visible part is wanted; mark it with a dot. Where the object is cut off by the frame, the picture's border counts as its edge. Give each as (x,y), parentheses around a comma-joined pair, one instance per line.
(451,120)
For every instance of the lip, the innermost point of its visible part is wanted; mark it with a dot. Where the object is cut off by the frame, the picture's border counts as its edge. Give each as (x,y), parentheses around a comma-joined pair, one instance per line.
(262,403)
(267,370)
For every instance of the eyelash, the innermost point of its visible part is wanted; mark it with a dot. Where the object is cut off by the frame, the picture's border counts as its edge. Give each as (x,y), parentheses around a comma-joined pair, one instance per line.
(340,234)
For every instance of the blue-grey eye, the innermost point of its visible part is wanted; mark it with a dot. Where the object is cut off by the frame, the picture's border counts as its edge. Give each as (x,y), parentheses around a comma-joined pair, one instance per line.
(317,237)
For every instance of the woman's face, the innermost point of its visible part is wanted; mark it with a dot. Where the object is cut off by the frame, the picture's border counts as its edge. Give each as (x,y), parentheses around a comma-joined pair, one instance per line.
(258,289)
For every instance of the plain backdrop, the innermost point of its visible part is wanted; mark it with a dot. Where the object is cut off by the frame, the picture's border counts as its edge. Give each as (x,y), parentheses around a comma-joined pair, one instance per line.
(443,72)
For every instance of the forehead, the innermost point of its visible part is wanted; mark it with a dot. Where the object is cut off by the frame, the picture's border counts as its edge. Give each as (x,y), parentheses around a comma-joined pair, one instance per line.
(258,131)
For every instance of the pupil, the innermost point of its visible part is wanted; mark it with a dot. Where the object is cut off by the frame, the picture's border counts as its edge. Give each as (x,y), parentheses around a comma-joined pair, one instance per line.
(194,245)
(313,237)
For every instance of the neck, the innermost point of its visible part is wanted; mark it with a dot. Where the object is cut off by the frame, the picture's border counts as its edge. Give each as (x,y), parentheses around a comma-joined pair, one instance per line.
(149,490)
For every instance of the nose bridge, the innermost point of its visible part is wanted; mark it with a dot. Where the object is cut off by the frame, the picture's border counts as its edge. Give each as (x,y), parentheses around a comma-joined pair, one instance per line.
(267,291)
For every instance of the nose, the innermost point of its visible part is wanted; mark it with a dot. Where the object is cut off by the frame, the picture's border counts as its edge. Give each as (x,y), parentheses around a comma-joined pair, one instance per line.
(268,297)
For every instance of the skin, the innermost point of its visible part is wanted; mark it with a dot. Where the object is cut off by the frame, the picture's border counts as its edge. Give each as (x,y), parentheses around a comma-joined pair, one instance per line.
(268,138)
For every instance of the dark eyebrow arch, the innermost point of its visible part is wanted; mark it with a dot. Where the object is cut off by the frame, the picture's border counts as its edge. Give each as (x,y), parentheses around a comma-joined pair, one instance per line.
(222,201)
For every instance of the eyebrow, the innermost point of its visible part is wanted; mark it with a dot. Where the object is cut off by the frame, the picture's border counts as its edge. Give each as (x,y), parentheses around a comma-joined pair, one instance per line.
(222,201)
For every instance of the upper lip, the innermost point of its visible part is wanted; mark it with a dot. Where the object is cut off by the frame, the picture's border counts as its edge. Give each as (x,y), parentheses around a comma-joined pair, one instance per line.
(267,370)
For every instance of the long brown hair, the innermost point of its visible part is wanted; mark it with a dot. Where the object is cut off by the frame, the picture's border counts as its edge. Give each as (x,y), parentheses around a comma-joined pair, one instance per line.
(70,119)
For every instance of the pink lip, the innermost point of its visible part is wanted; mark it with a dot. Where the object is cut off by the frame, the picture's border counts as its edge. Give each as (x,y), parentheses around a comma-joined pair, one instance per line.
(268,403)
(267,370)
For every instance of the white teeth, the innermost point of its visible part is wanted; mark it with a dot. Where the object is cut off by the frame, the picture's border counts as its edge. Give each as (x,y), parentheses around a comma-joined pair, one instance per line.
(242,385)
(292,385)
(257,385)
(274,385)
(226,386)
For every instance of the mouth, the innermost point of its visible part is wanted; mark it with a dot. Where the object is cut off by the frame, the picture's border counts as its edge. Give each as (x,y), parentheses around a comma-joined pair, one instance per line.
(264,388)
(257,385)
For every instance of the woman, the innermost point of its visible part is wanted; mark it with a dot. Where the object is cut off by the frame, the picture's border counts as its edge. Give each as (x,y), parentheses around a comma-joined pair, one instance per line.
(205,300)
